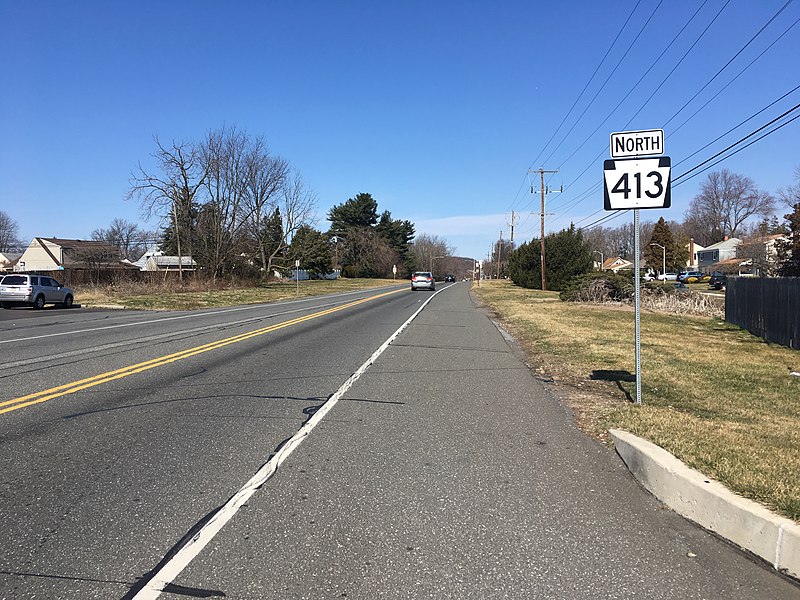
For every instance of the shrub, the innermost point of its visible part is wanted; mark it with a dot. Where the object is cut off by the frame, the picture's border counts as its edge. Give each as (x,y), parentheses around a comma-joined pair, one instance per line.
(605,286)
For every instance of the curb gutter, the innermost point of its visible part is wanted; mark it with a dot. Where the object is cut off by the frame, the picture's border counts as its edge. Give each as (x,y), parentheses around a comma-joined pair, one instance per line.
(711,505)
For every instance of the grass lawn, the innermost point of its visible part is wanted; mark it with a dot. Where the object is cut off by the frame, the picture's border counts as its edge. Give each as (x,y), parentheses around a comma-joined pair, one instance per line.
(195,295)
(720,399)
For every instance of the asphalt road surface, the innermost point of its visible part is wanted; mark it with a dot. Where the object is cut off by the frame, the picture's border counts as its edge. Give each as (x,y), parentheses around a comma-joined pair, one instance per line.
(233,453)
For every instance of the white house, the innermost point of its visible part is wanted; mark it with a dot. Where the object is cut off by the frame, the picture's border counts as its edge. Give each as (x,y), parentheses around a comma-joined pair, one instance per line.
(170,263)
(57,254)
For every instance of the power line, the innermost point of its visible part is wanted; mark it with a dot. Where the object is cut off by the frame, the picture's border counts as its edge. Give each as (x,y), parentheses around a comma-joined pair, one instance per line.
(734,128)
(751,134)
(725,66)
(781,126)
(660,85)
(600,64)
(739,74)
(614,70)
(630,91)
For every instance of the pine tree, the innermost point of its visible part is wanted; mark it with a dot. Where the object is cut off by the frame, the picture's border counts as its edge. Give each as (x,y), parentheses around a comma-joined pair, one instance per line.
(788,250)
(675,254)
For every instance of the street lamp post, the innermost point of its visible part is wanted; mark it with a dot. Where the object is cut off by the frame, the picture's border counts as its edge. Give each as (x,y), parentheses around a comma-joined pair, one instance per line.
(663,257)
(601,257)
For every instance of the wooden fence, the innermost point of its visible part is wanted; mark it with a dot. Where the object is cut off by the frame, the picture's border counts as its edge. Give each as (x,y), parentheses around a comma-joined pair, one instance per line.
(768,307)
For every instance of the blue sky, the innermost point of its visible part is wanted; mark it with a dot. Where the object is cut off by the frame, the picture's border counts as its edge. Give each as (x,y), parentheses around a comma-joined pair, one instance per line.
(438,109)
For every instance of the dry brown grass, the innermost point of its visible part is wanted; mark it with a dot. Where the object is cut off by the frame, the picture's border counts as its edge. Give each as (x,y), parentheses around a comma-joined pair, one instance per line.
(718,398)
(191,295)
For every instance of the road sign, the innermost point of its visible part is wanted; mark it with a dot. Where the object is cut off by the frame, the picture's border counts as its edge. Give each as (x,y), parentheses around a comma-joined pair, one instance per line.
(637,183)
(637,143)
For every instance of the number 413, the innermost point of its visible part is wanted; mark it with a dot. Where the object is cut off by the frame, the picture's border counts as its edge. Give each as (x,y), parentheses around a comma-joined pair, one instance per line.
(623,185)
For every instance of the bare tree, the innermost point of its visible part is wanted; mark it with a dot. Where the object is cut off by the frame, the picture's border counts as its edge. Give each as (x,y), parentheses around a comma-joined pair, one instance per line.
(266,180)
(790,195)
(9,230)
(172,191)
(131,241)
(725,202)
(428,249)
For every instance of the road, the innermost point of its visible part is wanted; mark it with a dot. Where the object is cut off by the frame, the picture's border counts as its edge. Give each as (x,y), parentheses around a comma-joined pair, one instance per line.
(138,456)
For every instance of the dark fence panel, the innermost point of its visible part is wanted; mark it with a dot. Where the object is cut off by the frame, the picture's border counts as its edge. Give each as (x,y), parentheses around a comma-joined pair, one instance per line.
(766,307)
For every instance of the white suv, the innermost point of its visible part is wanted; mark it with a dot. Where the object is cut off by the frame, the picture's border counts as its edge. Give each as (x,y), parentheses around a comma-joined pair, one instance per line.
(34,290)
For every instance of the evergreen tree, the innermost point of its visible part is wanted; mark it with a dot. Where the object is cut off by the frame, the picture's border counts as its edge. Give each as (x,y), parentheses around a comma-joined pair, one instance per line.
(361,211)
(567,254)
(788,250)
(312,248)
(398,235)
(675,254)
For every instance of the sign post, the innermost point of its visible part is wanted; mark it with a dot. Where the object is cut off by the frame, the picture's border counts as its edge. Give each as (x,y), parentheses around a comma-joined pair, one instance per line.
(394,271)
(297,276)
(633,182)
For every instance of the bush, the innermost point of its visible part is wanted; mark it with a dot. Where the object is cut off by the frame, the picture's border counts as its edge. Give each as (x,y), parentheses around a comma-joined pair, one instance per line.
(605,286)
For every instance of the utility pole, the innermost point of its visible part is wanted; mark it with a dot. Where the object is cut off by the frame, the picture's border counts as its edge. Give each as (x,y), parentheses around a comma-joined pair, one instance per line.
(499,252)
(512,230)
(541,176)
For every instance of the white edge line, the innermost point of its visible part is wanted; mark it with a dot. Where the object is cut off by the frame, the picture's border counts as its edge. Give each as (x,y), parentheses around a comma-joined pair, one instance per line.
(170,571)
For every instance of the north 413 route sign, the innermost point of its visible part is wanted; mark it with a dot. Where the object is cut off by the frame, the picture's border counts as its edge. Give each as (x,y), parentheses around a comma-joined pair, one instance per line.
(637,183)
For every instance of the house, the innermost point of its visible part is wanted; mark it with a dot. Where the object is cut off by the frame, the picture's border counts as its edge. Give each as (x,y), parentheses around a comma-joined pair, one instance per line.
(153,250)
(57,254)
(8,260)
(718,252)
(170,263)
(616,264)
(693,264)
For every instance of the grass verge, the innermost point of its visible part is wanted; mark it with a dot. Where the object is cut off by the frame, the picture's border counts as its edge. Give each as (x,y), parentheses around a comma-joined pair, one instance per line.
(720,399)
(196,295)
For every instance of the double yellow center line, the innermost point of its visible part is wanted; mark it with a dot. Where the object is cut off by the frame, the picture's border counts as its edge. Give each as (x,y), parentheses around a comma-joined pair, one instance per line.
(76,386)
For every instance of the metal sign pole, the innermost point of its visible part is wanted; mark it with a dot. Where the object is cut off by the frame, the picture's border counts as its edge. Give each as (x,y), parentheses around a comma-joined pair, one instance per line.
(637,305)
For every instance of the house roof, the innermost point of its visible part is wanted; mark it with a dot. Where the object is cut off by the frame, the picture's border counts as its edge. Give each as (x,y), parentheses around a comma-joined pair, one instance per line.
(615,261)
(77,244)
(729,244)
(173,261)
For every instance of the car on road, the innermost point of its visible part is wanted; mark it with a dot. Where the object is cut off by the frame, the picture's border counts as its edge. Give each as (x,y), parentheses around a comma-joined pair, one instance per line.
(422,280)
(692,277)
(33,290)
(449,278)
(718,281)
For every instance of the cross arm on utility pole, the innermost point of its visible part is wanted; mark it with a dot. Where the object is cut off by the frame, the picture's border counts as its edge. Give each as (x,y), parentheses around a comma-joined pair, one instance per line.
(544,191)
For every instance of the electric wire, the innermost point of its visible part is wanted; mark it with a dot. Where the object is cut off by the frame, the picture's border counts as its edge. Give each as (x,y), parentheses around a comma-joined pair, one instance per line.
(635,85)
(660,85)
(735,127)
(750,64)
(608,78)
(768,133)
(725,66)
(600,64)
(749,135)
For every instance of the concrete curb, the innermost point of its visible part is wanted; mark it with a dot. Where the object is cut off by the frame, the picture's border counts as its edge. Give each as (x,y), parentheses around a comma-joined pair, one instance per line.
(711,505)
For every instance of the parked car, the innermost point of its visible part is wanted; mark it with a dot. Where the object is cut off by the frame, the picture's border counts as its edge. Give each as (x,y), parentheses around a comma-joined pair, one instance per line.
(691,277)
(422,280)
(34,290)
(718,281)
(667,277)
